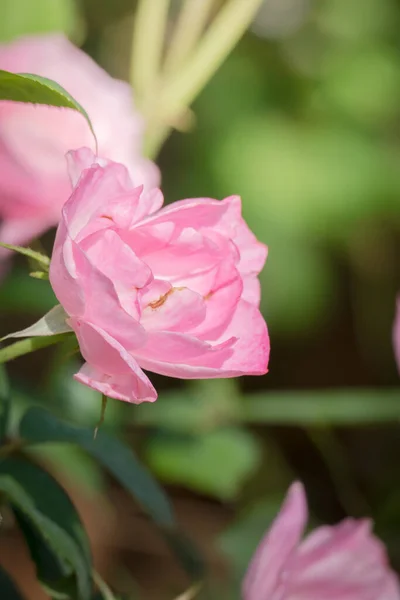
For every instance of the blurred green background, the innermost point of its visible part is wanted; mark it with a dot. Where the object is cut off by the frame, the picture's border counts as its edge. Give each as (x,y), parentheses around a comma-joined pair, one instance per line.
(303,121)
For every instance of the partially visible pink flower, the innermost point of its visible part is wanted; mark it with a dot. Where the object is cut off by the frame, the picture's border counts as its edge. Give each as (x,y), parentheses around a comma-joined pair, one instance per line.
(34,180)
(172,290)
(343,562)
(396,334)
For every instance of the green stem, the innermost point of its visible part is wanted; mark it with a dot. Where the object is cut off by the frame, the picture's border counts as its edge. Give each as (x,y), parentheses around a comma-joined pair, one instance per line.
(337,463)
(181,90)
(30,345)
(102,587)
(190,24)
(104,401)
(147,48)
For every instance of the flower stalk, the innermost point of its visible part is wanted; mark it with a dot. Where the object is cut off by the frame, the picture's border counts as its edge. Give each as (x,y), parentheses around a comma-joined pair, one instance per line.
(147,48)
(28,345)
(190,25)
(180,89)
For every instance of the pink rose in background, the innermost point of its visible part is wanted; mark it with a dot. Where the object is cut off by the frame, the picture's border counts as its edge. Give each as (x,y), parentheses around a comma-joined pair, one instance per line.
(172,290)
(344,562)
(396,334)
(34,180)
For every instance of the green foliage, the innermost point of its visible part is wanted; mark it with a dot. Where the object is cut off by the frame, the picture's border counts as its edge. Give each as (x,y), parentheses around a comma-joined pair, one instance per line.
(216,462)
(33,89)
(30,345)
(39,426)
(324,407)
(51,527)
(42,260)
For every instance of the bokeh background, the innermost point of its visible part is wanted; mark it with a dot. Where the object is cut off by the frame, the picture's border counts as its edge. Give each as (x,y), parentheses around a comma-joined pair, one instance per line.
(303,121)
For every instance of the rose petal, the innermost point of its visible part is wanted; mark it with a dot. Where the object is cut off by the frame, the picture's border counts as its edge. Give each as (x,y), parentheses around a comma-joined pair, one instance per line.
(263,577)
(345,561)
(232,356)
(120,264)
(110,369)
(172,309)
(170,347)
(102,305)
(63,275)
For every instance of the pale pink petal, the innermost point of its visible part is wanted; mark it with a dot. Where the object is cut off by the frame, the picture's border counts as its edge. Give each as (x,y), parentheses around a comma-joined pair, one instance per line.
(153,292)
(170,347)
(99,190)
(152,238)
(251,351)
(208,365)
(19,232)
(78,161)
(110,369)
(345,561)
(119,128)
(221,302)
(251,290)
(189,252)
(265,574)
(232,356)
(34,182)
(391,589)
(253,253)
(63,275)
(171,309)
(150,202)
(120,264)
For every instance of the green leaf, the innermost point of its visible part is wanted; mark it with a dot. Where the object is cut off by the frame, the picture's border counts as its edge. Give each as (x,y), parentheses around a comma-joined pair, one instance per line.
(5,403)
(216,462)
(39,426)
(30,345)
(323,407)
(33,89)
(51,526)
(54,322)
(8,588)
(40,258)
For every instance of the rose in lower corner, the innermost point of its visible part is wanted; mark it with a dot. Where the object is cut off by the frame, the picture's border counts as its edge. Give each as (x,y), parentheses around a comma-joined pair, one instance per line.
(172,290)
(345,561)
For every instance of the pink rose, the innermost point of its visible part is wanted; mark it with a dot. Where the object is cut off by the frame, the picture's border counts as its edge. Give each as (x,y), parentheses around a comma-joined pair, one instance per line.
(172,290)
(396,334)
(34,180)
(345,562)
